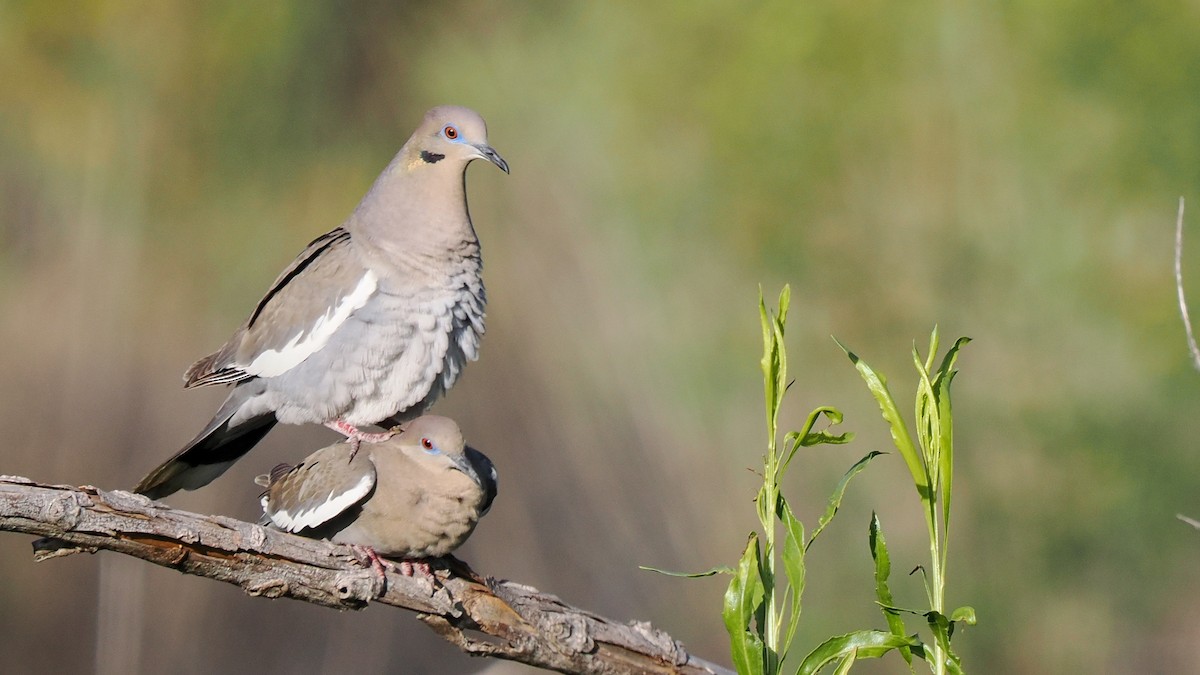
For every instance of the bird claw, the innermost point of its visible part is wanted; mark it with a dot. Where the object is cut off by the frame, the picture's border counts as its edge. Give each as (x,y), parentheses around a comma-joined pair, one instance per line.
(373,436)
(357,437)
(367,557)
(415,568)
(412,567)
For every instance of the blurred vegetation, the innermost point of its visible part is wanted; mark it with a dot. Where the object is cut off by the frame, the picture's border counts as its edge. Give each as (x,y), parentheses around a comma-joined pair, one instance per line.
(1009,171)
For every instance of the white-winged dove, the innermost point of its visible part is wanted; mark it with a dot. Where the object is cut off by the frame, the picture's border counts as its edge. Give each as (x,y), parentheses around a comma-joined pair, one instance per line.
(418,494)
(371,323)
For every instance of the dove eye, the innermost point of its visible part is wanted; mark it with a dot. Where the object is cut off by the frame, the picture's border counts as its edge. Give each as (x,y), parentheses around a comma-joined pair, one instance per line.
(427,445)
(450,132)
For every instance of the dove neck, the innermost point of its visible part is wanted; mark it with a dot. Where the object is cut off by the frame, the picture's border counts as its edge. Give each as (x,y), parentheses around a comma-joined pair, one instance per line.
(416,209)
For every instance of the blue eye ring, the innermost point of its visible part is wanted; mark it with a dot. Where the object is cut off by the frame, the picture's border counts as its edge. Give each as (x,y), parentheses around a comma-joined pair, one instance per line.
(428,446)
(450,132)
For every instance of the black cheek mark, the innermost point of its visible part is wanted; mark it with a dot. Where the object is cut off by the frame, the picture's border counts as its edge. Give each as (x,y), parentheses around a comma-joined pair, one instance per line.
(431,157)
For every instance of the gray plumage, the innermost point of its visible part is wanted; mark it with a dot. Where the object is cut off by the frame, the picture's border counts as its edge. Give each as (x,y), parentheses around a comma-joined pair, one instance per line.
(372,322)
(416,495)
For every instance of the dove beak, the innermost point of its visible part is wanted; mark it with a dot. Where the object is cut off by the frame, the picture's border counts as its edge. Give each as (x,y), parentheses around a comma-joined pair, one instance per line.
(463,464)
(490,154)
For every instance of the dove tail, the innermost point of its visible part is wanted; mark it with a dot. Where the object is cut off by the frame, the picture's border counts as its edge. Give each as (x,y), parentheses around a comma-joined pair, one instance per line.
(209,454)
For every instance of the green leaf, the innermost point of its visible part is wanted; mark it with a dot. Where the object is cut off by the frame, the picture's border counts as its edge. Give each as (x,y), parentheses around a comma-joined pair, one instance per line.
(780,384)
(791,443)
(928,432)
(743,599)
(720,569)
(793,567)
(945,451)
(806,437)
(847,662)
(952,666)
(877,383)
(942,380)
(863,643)
(883,592)
(762,504)
(833,415)
(904,610)
(942,629)
(770,366)
(745,590)
(835,500)
(826,438)
(765,320)
(964,615)
(785,299)
(933,348)
(774,360)
(951,356)
(883,561)
(749,660)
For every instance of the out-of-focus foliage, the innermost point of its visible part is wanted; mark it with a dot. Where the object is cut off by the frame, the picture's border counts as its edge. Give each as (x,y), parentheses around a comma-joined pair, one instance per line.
(1009,171)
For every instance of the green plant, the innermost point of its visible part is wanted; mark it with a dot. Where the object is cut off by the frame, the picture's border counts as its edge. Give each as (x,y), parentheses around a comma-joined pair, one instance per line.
(931,462)
(761,608)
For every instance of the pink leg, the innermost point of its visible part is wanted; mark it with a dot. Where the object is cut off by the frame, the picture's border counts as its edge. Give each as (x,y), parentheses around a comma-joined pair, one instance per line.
(356,436)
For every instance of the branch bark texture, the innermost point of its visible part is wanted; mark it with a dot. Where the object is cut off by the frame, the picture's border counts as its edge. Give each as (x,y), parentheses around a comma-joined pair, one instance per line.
(481,615)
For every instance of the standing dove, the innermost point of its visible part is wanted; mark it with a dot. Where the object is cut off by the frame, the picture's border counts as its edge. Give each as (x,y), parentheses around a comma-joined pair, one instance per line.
(416,495)
(371,323)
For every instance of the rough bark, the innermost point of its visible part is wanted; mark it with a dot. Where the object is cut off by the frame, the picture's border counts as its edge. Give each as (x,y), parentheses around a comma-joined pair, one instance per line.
(481,615)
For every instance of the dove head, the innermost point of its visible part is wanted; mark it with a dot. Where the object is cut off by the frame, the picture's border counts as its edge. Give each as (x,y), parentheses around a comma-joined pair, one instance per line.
(454,136)
(438,443)
(417,208)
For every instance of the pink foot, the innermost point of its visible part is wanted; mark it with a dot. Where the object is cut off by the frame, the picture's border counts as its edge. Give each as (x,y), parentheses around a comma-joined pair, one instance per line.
(412,567)
(356,436)
(379,565)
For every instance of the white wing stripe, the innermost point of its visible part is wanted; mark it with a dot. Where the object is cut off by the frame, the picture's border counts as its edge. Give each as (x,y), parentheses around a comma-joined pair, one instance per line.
(306,343)
(332,506)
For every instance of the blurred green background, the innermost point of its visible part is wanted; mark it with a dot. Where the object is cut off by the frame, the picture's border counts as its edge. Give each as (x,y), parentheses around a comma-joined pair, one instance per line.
(1009,171)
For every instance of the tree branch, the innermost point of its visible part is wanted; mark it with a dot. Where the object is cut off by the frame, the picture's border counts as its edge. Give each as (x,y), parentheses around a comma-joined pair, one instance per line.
(482,616)
(1183,310)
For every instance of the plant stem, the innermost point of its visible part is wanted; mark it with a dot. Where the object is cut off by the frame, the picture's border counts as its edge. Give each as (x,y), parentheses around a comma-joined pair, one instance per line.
(935,580)
(773,617)
(774,365)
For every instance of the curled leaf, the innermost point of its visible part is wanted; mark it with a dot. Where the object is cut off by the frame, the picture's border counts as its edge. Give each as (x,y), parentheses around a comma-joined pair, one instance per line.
(835,500)
(743,599)
(720,569)
(863,643)
(965,614)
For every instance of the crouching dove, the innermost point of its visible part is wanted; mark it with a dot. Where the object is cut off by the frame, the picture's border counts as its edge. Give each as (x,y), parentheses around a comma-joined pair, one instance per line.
(416,495)
(372,322)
